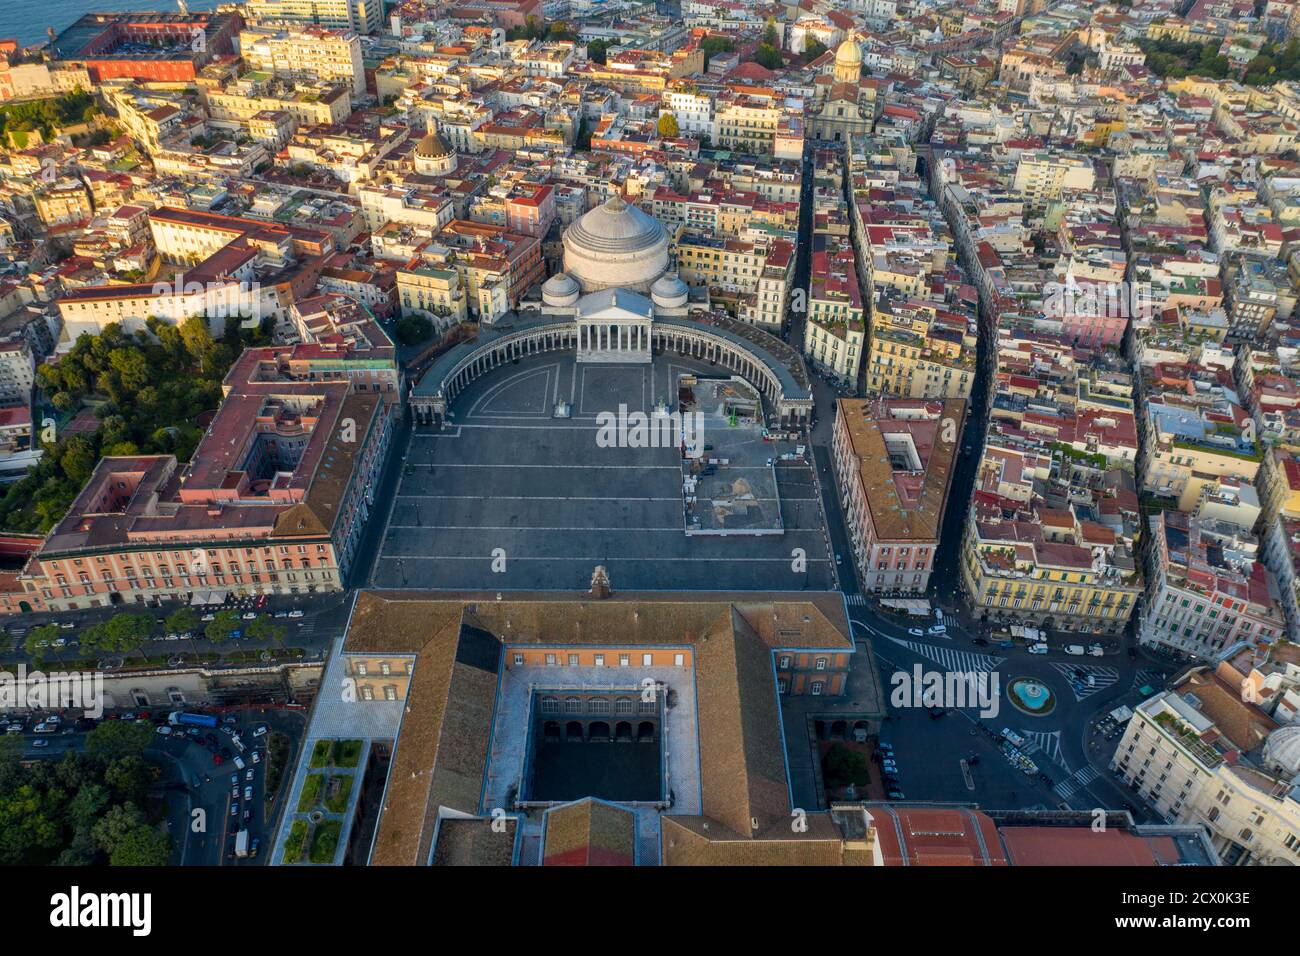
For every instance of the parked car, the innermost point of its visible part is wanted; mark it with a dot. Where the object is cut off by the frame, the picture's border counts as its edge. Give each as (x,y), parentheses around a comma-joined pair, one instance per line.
(234,809)
(260,731)
(250,616)
(937,629)
(67,625)
(1038,649)
(280,614)
(165,731)
(208,617)
(40,743)
(249,775)
(916,632)
(295,613)
(248,793)
(257,757)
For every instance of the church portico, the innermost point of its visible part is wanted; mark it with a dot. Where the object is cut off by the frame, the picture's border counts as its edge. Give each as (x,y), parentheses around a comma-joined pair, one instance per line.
(614,326)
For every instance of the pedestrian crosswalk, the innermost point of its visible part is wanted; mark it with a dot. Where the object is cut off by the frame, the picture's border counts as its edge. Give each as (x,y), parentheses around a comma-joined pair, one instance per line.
(1102,677)
(1146,677)
(1075,782)
(857,600)
(951,659)
(1048,742)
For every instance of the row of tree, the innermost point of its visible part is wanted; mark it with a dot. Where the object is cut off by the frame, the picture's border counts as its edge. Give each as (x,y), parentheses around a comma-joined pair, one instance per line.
(128,633)
(149,389)
(85,809)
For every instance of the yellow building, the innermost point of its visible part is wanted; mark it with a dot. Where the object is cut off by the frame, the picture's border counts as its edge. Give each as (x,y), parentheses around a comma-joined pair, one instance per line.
(433,293)
(919,351)
(1012,571)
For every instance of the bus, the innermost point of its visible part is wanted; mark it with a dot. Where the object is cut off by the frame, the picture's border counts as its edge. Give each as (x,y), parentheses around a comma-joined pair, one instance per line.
(177,718)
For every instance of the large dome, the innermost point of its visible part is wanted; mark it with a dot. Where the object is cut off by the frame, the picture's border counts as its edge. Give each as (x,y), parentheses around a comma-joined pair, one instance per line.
(848,54)
(616,245)
(1282,750)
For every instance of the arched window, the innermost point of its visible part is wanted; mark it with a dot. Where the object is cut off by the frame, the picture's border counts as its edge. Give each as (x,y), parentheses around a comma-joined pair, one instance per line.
(572,706)
(550,705)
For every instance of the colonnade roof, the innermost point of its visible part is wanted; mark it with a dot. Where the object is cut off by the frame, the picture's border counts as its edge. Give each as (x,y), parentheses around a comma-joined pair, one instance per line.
(431,381)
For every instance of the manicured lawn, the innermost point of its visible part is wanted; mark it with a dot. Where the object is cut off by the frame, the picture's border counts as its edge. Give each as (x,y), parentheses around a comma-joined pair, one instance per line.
(347,753)
(320,754)
(310,796)
(325,841)
(295,841)
(339,790)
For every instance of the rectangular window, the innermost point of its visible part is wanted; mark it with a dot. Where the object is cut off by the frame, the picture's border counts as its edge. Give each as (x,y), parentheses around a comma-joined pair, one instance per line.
(600,660)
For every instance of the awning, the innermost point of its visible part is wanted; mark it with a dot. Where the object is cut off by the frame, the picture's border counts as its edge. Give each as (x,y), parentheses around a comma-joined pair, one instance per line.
(910,605)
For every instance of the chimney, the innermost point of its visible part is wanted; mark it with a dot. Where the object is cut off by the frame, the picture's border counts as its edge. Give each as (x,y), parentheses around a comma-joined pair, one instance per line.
(600,588)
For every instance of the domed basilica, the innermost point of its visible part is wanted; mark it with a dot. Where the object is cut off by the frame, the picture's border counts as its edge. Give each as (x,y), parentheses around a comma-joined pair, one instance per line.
(616,278)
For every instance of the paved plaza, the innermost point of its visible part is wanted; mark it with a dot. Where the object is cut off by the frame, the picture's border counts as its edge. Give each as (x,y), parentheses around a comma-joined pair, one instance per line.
(512,497)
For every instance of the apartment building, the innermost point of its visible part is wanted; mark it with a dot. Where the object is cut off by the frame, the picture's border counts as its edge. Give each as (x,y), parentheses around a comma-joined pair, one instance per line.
(314,53)
(894,461)
(1202,755)
(1208,588)
(920,349)
(835,330)
(1042,176)
(273,502)
(360,16)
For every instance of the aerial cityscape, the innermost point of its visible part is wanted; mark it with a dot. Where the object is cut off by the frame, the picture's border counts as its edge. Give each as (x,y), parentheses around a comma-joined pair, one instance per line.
(650,433)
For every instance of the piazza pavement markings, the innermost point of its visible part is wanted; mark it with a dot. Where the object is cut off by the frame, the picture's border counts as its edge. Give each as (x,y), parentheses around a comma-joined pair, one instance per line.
(1103,677)
(951,659)
(1075,782)
(539,489)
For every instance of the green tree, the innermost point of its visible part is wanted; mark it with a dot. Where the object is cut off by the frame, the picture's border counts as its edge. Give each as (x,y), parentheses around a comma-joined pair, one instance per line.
(182,619)
(771,37)
(114,826)
(128,632)
(142,846)
(264,629)
(597,49)
(40,642)
(115,739)
(768,56)
(197,337)
(812,49)
(413,329)
(222,625)
(713,45)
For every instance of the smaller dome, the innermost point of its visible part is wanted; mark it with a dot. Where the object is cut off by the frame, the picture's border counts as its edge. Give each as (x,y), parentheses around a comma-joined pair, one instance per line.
(1282,750)
(560,289)
(669,292)
(848,54)
(432,146)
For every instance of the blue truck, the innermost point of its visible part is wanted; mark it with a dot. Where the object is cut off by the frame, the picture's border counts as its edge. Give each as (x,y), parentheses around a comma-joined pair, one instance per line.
(180,718)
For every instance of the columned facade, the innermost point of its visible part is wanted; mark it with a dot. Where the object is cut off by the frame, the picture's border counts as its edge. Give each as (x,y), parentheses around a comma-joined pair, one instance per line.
(697,342)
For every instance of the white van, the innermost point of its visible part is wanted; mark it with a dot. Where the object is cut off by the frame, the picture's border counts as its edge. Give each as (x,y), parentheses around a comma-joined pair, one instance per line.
(239,762)
(1037,648)
(1075,649)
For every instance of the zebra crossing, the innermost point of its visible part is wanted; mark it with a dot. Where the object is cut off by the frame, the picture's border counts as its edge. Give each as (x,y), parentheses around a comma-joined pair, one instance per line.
(1153,677)
(1048,742)
(1075,782)
(1102,677)
(857,600)
(951,659)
